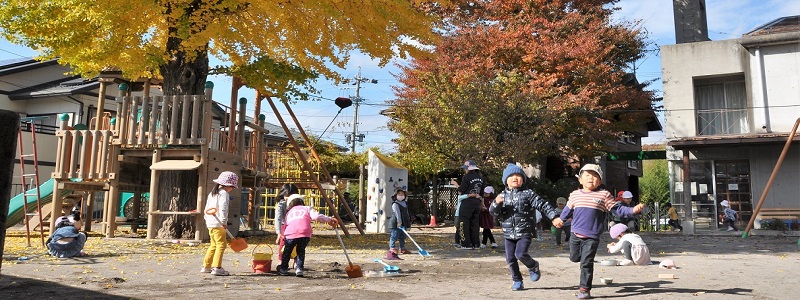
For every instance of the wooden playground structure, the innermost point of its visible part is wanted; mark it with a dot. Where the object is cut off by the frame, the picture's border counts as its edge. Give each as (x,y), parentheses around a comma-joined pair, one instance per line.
(192,134)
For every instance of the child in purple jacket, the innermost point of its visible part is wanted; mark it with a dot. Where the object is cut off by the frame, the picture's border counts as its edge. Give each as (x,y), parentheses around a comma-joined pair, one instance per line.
(587,207)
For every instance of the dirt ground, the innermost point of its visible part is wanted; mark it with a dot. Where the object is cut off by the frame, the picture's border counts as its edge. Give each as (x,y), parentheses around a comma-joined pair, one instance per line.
(711,266)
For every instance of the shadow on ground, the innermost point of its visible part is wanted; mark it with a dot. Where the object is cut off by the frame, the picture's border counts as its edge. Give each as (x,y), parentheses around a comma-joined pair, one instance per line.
(12,287)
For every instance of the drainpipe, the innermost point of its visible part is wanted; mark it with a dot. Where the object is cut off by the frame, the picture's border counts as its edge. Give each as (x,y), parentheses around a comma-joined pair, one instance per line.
(80,110)
(760,99)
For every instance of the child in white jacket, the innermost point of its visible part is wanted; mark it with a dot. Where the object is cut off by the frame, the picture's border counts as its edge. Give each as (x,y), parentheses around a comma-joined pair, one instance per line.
(630,244)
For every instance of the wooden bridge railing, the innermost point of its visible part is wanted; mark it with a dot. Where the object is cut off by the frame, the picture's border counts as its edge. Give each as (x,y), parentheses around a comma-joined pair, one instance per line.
(144,122)
(83,154)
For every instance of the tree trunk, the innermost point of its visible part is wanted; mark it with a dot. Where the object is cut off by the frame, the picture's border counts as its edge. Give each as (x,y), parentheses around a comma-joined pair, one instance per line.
(177,190)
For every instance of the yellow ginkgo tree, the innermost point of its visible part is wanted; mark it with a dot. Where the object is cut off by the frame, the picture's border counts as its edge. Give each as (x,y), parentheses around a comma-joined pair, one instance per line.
(275,46)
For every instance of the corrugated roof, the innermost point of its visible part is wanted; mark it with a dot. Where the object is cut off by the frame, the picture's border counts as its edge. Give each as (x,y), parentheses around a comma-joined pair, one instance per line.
(779,25)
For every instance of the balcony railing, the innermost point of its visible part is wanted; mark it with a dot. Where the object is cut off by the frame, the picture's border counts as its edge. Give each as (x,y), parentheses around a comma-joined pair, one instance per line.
(722,121)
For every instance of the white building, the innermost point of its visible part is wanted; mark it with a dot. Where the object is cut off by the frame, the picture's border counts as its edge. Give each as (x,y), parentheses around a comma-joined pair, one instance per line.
(730,107)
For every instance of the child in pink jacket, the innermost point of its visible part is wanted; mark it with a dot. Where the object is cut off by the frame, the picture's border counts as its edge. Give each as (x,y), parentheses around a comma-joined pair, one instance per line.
(298,232)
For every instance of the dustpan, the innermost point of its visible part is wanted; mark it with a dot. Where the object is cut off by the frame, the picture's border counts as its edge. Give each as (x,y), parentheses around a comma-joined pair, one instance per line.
(353,271)
(236,244)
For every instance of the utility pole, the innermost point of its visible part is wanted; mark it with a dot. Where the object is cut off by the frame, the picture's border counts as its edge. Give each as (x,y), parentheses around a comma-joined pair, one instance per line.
(355,136)
(352,137)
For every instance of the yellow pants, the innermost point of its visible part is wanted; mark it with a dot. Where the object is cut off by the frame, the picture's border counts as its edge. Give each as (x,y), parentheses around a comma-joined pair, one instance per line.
(215,249)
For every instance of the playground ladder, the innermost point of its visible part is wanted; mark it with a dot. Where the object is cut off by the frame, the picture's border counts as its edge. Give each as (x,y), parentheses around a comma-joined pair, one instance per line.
(34,177)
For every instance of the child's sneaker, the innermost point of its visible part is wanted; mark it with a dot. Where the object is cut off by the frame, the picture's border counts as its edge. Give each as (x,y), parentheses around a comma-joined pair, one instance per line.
(494,245)
(404,251)
(730,228)
(392,256)
(299,272)
(219,272)
(584,294)
(535,273)
(626,262)
(517,286)
(205,270)
(483,246)
(282,271)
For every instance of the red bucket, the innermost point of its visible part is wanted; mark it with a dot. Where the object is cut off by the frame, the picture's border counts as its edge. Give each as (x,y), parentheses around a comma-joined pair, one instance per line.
(262,262)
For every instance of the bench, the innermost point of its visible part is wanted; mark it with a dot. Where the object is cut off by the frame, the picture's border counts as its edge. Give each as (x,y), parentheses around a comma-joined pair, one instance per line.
(789,216)
(779,213)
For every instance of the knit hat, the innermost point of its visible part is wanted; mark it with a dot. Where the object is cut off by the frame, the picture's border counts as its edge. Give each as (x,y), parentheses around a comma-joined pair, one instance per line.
(724,203)
(561,200)
(488,189)
(470,165)
(592,167)
(616,230)
(513,169)
(228,178)
(627,194)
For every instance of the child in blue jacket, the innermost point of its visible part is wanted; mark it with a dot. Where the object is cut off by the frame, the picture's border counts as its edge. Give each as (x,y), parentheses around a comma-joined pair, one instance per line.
(516,207)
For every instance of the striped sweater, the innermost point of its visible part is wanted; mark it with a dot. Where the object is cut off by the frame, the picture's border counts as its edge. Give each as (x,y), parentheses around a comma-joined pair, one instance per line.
(587,210)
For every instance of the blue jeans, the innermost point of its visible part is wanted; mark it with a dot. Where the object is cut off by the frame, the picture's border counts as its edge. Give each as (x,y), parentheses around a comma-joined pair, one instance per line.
(517,250)
(395,235)
(583,250)
(301,244)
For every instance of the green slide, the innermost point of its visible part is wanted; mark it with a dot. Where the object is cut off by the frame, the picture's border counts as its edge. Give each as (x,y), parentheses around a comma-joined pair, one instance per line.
(16,210)
(126,197)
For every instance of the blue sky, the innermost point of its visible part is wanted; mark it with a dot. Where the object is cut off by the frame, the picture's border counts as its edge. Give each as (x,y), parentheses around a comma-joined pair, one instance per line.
(727,19)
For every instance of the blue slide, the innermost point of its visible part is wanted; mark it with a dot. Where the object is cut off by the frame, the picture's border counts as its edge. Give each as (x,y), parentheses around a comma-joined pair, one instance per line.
(16,211)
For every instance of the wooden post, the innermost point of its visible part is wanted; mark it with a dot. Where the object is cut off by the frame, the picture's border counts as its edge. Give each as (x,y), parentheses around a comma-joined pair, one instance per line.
(154,182)
(112,197)
(325,171)
(240,127)
(101,102)
(56,202)
(202,171)
(87,215)
(235,86)
(306,165)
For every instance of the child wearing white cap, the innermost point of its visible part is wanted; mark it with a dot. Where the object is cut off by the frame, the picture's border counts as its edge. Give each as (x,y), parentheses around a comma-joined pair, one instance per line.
(729,216)
(626,200)
(486,219)
(587,207)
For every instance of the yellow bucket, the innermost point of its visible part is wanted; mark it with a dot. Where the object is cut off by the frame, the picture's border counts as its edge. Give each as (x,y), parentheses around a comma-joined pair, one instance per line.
(262,256)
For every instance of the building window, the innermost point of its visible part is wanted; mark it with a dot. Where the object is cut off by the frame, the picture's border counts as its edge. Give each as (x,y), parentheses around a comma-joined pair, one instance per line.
(721,107)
